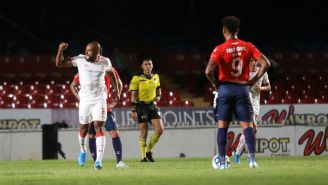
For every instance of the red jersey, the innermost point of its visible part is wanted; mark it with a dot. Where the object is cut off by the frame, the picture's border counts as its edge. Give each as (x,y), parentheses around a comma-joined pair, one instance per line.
(107,82)
(233,58)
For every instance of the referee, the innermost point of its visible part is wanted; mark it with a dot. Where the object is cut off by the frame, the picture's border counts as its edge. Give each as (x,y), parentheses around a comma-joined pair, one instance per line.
(145,90)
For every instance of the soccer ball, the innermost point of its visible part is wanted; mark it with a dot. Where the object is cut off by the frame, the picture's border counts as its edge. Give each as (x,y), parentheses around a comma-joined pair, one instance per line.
(216,162)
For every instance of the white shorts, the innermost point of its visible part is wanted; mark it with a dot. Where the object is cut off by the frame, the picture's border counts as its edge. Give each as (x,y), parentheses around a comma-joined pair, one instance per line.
(92,111)
(256,109)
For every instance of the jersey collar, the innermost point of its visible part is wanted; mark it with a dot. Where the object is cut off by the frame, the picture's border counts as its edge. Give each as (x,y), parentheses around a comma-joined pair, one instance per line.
(147,76)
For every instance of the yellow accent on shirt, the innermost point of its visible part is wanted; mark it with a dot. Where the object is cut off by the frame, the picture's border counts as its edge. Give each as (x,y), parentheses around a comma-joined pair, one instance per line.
(146,87)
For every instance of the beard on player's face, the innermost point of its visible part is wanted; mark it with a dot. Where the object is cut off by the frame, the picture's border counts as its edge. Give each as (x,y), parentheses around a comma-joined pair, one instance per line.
(90,55)
(91,52)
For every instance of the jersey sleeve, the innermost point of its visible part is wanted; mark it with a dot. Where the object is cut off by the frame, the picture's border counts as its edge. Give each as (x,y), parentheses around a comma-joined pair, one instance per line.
(76,60)
(265,79)
(134,84)
(76,79)
(255,53)
(216,55)
(108,65)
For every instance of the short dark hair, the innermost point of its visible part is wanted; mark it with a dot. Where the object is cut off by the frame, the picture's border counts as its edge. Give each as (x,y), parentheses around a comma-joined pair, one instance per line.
(144,57)
(97,46)
(231,23)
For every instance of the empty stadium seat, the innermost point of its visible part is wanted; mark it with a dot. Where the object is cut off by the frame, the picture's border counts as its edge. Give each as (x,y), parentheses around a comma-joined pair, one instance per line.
(162,103)
(6,90)
(6,102)
(290,100)
(37,89)
(52,89)
(176,103)
(22,90)
(322,99)
(20,101)
(276,94)
(65,89)
(307,99)
(188,104)
(54,101)
(274,100)
(174,96)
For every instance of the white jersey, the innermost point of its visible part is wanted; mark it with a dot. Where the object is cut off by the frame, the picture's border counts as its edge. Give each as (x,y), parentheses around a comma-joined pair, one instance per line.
(255,95)
(92,77)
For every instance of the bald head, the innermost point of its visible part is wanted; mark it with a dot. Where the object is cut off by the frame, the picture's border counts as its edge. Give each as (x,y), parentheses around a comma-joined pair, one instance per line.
(92,51)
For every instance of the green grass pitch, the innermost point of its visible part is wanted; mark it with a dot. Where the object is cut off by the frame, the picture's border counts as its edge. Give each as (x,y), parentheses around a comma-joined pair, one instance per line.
(185,171)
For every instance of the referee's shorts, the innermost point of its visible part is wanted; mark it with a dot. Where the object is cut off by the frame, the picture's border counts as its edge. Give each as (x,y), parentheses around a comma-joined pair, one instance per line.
(147,111)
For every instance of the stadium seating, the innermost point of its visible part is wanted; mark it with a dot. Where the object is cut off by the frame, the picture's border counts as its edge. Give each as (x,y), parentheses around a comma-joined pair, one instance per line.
(188,104)
(44,84)
(321,99)
(6,102)
(37,101)
(6,90)
(20,101)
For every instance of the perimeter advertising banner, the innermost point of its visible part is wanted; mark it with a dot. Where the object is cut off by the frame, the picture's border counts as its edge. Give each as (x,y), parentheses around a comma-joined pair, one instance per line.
(299,114)
(285,141)
(286,138)
(313,114)
(24,118)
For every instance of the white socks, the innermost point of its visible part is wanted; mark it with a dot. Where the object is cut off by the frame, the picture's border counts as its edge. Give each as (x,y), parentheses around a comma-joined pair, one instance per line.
(100,143)
(83,142)
(241,144)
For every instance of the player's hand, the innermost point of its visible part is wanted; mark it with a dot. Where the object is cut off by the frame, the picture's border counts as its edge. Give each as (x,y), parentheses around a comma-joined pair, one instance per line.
(111,105)
(255,128)
(134,116)
(214,85)
(251,83)
(63,46)
(257,88)
(157,98)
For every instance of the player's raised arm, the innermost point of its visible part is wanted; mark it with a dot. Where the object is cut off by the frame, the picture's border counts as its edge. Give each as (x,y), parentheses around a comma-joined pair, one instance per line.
(265,65)
(209,71)
(60,60)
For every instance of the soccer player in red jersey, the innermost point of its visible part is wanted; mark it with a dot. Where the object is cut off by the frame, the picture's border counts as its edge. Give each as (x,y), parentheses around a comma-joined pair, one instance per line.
(232,59)
(110,124)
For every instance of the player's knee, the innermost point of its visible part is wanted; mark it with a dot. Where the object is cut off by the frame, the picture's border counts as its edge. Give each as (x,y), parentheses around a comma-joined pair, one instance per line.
(143,133)
(98,129)
(245,125)
(159,131)
(83,132)
(91,136)
(113,134)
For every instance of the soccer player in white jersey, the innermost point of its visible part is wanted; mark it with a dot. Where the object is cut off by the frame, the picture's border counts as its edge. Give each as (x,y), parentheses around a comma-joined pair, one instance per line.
(263,84)
(92,68)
